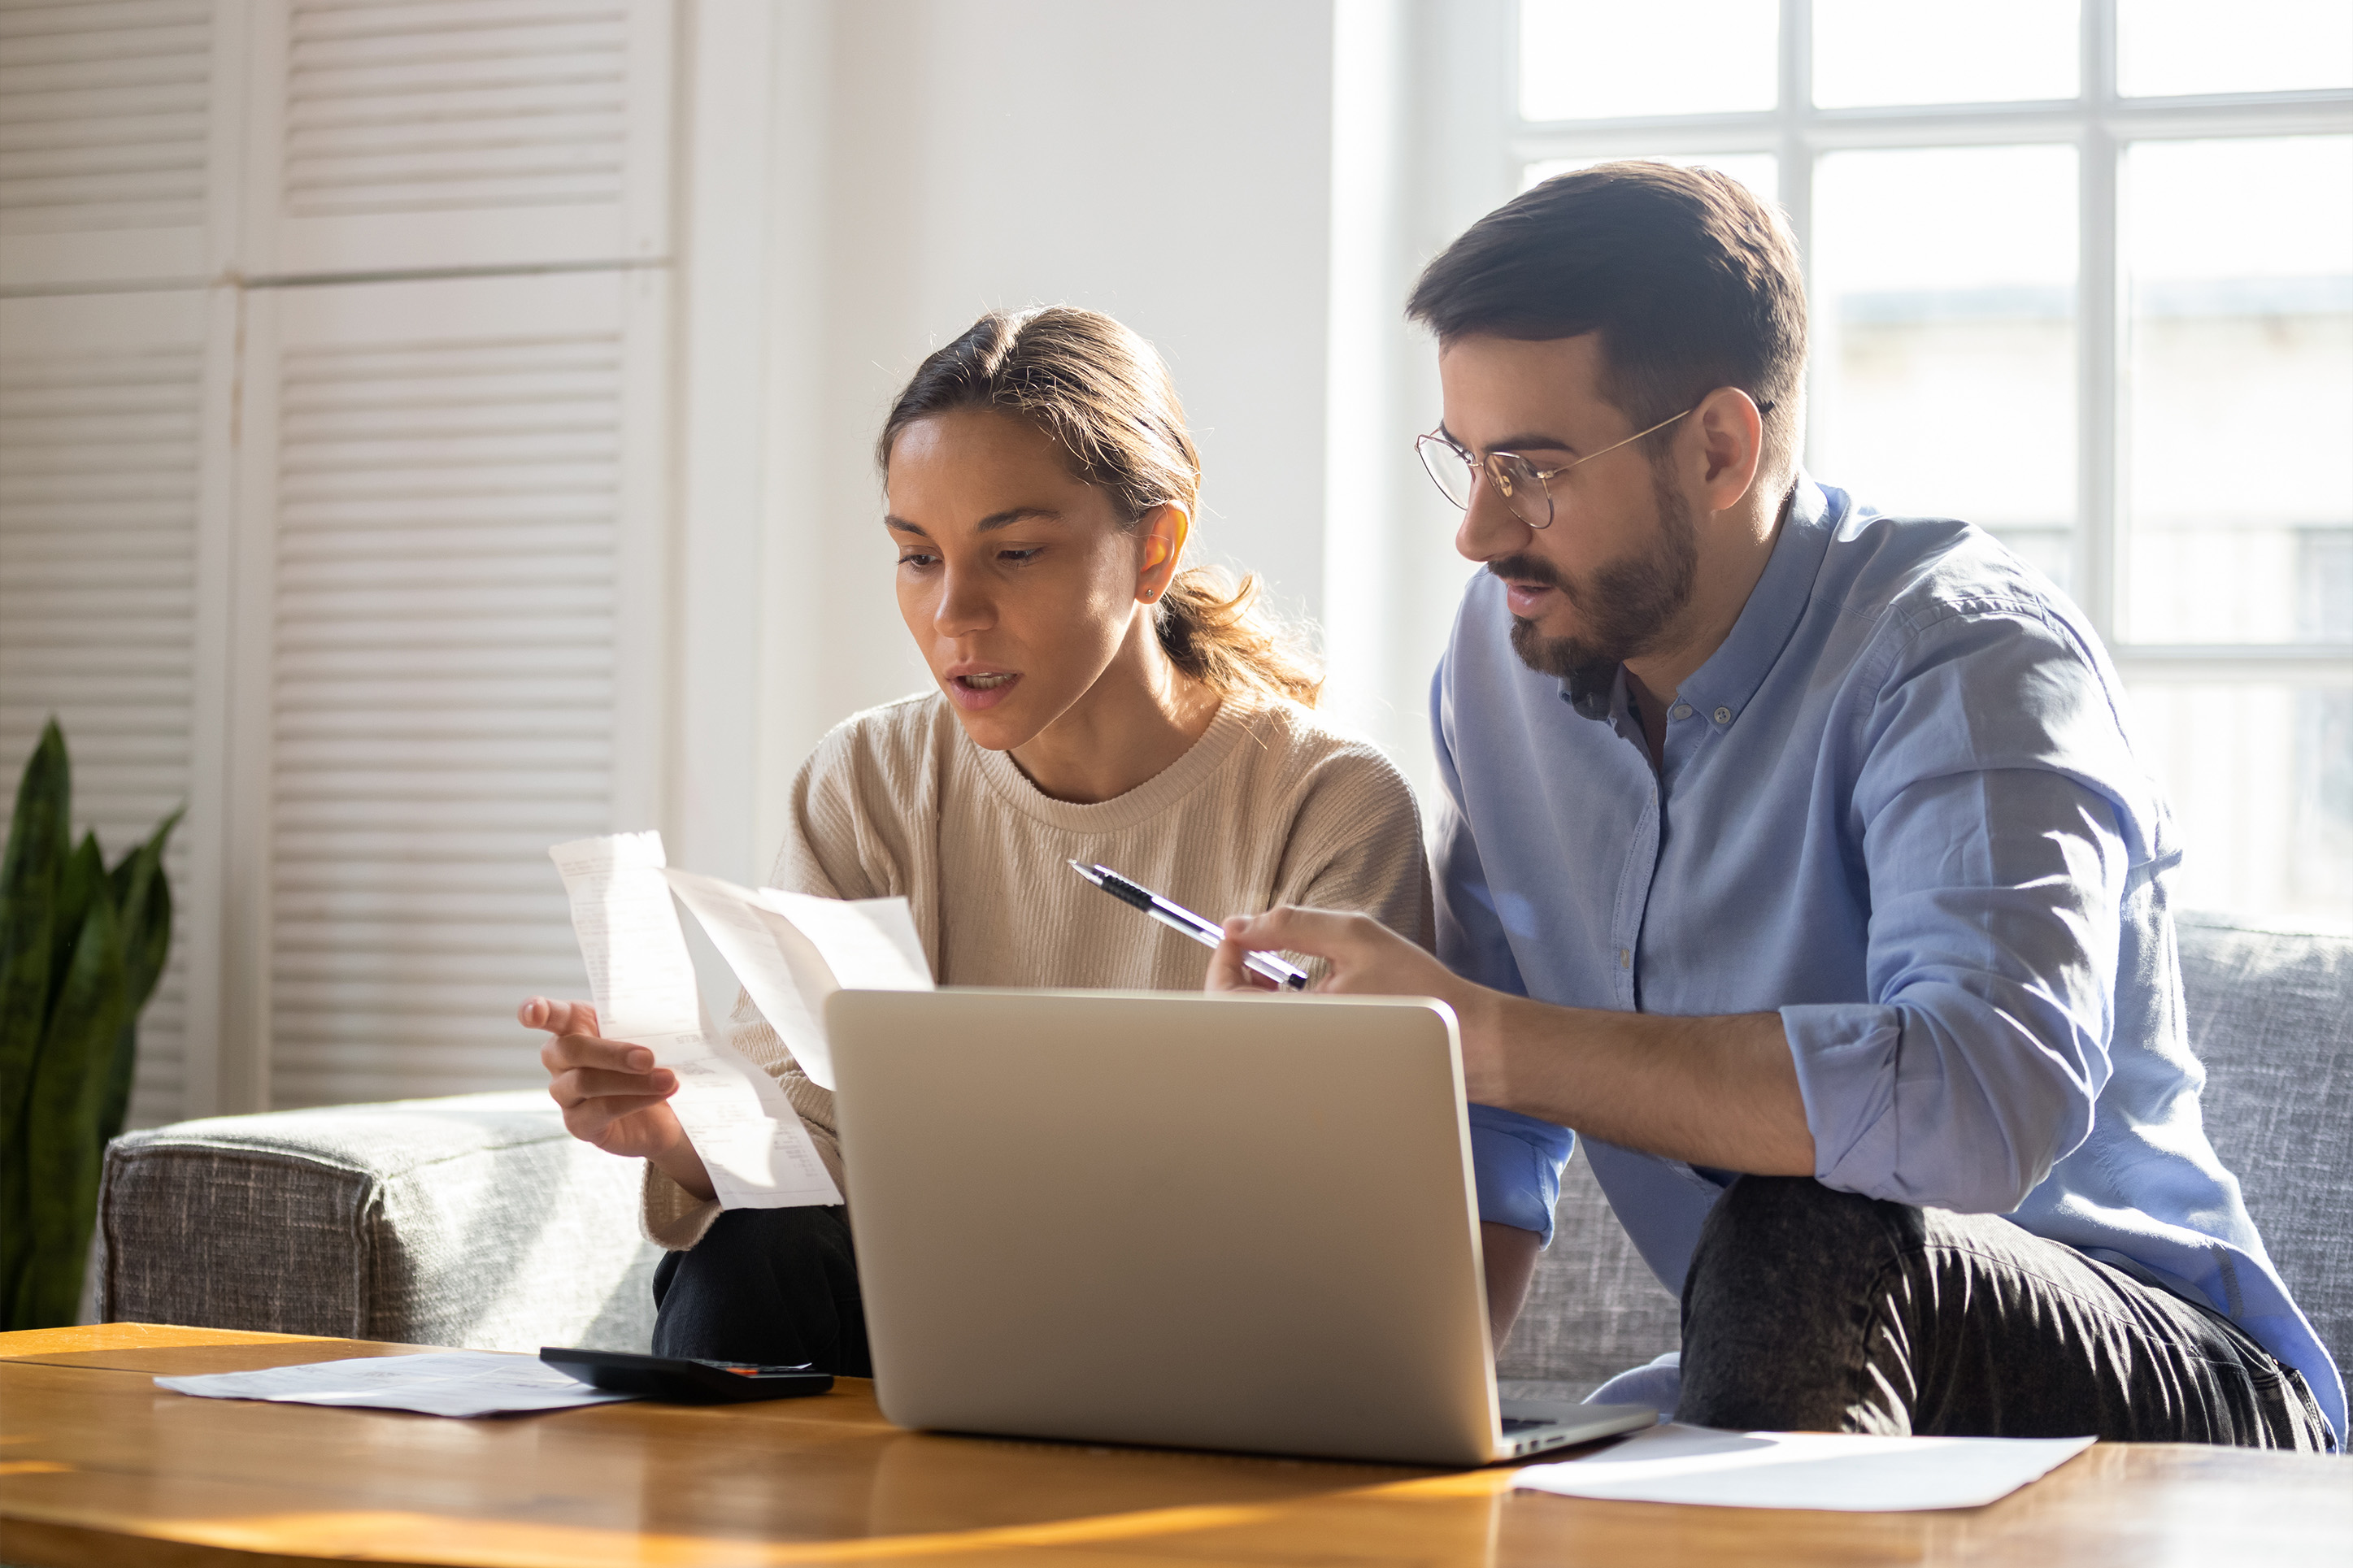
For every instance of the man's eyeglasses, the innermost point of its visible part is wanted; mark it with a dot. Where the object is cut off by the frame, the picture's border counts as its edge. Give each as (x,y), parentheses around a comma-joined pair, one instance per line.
(1523,485)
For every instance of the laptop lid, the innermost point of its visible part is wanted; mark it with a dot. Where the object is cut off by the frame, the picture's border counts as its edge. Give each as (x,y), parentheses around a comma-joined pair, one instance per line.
(1219,1222)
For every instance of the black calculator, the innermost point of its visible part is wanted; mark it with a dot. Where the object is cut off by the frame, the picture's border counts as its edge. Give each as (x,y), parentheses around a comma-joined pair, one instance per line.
(684,1381)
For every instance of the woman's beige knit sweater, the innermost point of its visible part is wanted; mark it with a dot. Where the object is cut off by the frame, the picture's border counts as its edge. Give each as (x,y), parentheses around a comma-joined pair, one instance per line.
(1269,806)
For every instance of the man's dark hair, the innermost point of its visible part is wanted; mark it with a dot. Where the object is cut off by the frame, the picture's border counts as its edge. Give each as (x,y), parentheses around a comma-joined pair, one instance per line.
(1692,282)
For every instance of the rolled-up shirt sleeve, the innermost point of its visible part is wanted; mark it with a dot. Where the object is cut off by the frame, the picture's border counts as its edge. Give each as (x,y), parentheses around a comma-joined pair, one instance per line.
(1996,881)
(1515,1159)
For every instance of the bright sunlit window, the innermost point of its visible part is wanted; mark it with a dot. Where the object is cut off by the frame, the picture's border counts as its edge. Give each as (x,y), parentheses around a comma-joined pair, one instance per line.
(2082,274)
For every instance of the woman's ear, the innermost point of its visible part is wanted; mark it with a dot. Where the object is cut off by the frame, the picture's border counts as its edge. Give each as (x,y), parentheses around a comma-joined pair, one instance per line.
(1163,530)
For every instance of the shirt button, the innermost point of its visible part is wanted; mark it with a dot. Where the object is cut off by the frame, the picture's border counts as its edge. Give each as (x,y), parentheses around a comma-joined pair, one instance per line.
(1680,710)
(1724,715)
(1625,958)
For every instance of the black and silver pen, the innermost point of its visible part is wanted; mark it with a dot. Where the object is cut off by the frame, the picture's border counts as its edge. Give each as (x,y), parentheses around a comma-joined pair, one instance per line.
(1177,918)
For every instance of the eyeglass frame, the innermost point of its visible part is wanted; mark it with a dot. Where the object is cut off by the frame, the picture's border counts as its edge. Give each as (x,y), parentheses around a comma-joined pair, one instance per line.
(1543,477)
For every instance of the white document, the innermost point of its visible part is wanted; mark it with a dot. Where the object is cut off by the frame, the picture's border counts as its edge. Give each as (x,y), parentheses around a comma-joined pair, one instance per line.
(1849,1474)
(751,1140)
(792,951)
(453,1382)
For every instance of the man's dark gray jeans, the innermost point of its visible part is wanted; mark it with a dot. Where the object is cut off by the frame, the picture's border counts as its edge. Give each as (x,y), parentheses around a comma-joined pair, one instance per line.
(1811,1310)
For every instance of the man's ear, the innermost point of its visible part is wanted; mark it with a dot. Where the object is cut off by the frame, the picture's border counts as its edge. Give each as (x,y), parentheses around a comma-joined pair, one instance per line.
(1731,446)
(1163,529)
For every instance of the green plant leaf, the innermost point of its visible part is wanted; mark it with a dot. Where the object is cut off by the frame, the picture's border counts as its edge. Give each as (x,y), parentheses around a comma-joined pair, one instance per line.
(143,897)
(61,1145)
(143,894)
(81,885)
(39,843)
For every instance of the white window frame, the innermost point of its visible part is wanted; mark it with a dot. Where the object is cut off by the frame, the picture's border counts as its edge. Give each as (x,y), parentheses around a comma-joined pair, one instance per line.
(2098,123)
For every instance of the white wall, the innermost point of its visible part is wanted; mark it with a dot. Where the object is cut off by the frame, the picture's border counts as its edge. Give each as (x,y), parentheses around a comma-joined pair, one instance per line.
(1170,166)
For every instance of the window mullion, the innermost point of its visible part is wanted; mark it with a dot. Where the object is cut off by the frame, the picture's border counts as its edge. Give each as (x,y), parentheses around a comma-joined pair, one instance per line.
(1796,156)
(2098,341)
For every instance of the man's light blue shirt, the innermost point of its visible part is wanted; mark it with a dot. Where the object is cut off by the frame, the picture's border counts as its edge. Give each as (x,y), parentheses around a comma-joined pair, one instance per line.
(1898,805)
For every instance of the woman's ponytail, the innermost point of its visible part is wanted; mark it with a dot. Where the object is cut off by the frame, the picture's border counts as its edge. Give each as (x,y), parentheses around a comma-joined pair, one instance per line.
(1211,629)
(1105,396)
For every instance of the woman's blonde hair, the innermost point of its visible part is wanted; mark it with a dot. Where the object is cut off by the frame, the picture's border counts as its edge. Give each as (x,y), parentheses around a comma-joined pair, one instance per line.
(1103,395)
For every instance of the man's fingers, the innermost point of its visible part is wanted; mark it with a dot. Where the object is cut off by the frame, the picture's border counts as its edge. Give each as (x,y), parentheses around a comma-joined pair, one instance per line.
(557,1017)
(1330,934)
(1229,973)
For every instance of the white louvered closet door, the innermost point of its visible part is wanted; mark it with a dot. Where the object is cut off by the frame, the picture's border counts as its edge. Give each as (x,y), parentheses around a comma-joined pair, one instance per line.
(456,486)
(394,134)
(103,541)
(108,138)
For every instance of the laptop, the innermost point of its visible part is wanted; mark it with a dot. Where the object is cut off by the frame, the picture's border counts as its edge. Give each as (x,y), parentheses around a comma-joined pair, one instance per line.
(1193,1221)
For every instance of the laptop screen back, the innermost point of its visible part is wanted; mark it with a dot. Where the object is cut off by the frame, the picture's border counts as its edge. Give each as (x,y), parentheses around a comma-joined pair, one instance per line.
(1202,1221)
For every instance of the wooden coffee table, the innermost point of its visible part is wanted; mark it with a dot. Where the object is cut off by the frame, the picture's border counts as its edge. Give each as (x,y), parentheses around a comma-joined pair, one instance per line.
(99,1466)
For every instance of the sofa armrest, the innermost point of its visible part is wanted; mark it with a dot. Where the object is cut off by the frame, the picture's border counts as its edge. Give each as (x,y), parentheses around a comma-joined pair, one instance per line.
(474,1221)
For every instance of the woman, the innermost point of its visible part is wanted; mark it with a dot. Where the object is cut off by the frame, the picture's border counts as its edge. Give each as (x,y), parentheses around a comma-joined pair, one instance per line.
(1094,703)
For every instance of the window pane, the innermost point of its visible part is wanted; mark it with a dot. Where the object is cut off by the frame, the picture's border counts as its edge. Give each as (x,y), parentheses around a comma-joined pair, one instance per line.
(1580,60)
(1930,51)
(2169,46)
(1944,338)
(1758,170)
(2260,778)
(2238,261)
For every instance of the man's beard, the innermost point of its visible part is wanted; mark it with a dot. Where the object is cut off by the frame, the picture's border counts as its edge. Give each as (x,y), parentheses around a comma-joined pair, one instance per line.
(1626,606)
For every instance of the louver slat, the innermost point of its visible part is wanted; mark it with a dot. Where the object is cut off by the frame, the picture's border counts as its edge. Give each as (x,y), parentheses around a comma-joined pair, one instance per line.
(104,127)
(98,500)
(481,134)
(448,512)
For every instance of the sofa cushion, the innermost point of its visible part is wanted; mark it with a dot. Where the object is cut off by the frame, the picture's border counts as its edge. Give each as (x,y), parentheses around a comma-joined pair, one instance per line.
(2271,1014)
(1594,1309)
(474,1222)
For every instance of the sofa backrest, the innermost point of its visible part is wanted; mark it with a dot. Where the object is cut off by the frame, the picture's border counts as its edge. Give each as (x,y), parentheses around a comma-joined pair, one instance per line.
(2271,1015)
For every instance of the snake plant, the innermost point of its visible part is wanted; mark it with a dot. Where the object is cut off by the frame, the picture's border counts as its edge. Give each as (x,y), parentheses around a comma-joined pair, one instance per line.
(81,947)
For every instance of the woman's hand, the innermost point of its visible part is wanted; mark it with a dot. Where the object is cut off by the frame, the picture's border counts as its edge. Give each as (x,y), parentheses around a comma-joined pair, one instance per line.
(611,1093)
(1365,958)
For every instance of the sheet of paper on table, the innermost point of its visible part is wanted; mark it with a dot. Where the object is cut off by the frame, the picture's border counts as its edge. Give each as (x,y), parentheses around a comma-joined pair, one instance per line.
(1845,1473)
(792,951)
(751,1140)
(449,1382)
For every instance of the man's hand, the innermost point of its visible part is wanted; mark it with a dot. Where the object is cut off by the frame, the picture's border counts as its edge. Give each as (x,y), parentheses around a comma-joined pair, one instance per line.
(611,1093)
(1363,957)
(1714,1091)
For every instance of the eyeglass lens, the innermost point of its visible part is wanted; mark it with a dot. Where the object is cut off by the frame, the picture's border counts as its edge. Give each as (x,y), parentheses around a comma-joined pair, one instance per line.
(1456,472)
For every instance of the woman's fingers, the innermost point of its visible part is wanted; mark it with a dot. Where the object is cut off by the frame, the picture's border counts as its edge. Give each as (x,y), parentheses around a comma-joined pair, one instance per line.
(562,1053)
(611,1093)
(582,1084)
(557,1017)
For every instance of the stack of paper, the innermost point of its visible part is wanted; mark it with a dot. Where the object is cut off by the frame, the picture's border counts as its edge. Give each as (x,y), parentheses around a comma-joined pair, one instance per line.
(1805,1469)
(449,1382)
(790,951)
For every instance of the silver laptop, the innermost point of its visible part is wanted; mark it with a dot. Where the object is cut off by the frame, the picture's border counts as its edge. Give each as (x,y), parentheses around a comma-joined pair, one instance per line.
(1202,1222)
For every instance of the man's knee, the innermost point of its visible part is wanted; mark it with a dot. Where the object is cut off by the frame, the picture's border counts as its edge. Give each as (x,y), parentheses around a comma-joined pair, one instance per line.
(1795,1228)
(1778,1302)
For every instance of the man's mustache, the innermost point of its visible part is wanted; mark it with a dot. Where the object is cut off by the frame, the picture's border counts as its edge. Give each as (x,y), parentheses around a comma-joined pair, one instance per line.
(1531,569)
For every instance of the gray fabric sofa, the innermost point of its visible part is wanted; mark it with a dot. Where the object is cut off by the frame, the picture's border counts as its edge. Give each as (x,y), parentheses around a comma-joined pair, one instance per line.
(475,1221)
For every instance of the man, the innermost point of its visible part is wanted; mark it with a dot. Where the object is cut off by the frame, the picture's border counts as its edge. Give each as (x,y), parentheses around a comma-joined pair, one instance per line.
(1798,859)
